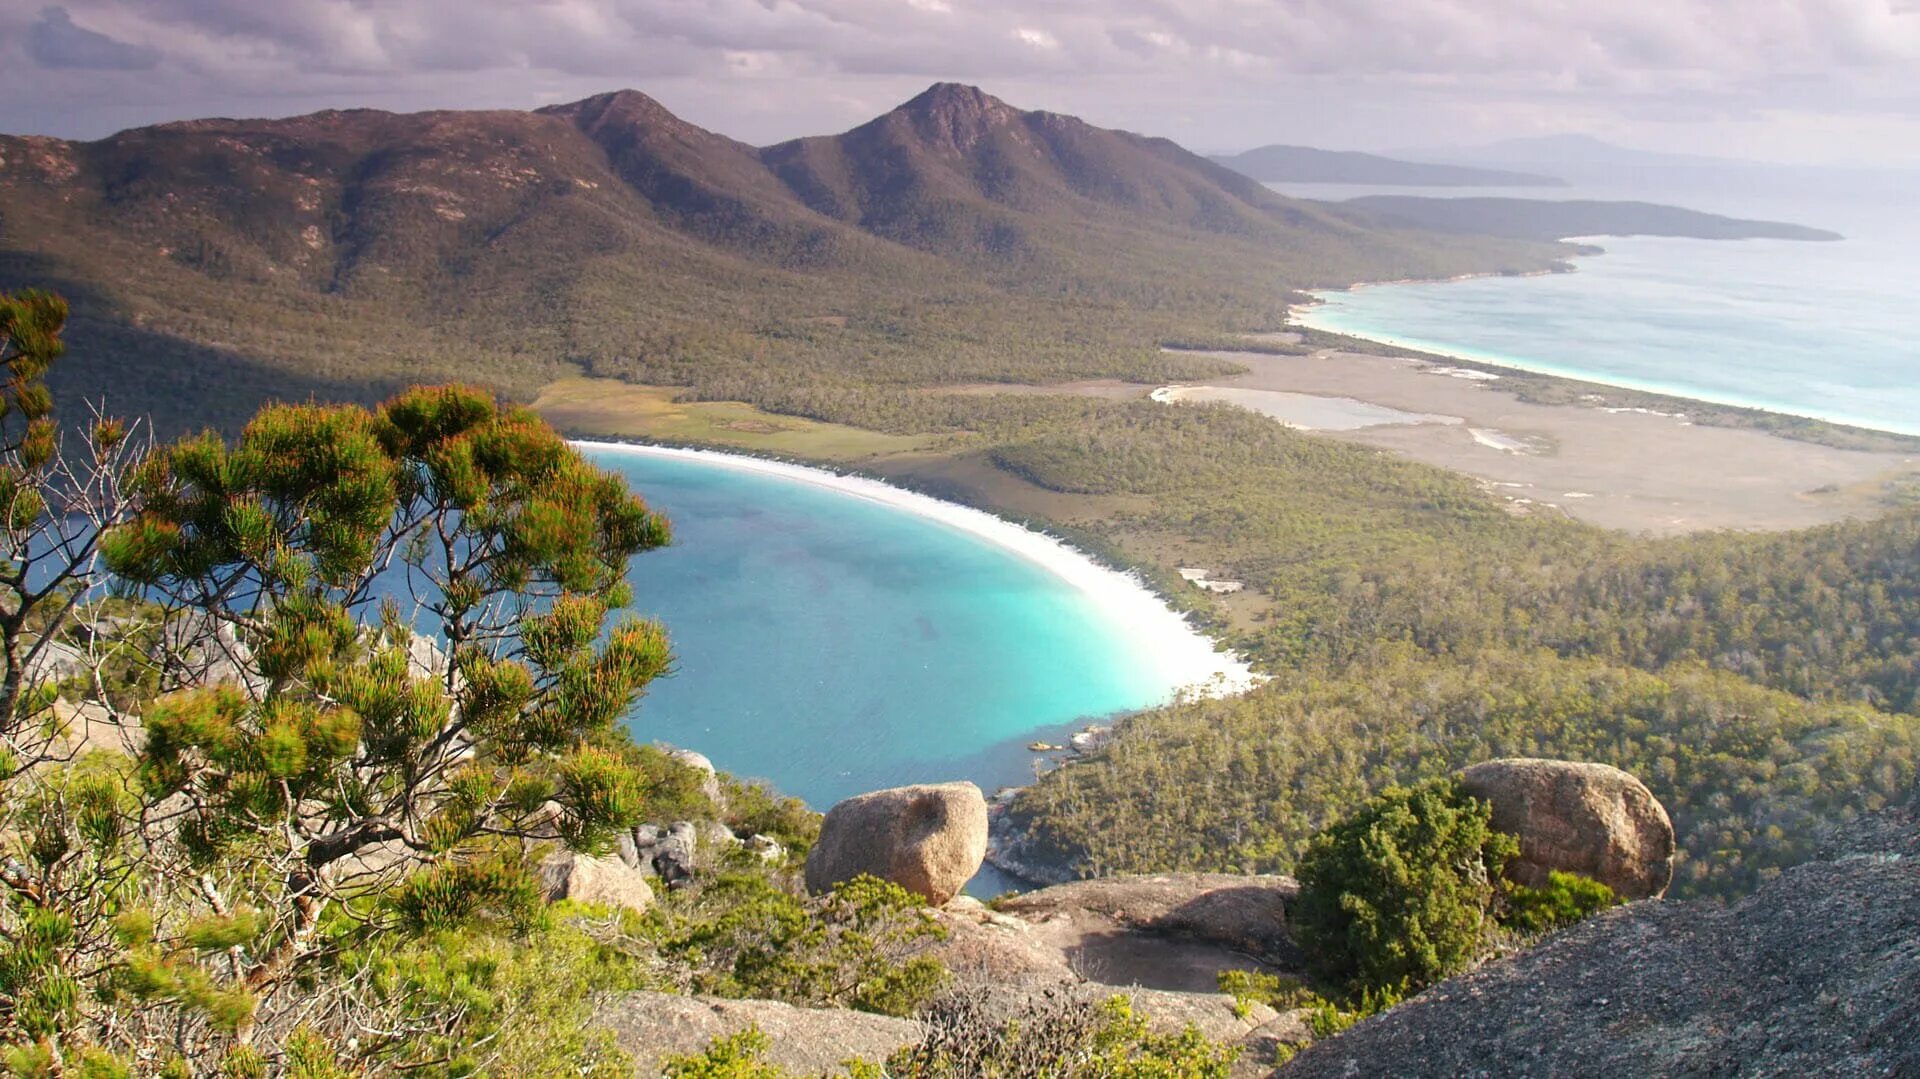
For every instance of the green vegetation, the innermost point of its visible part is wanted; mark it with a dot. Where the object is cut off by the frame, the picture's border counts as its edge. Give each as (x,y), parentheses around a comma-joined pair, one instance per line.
(858,947)
(1762,685)
(1568,899)
(1277,991)
(1404,892)
(1750,775)
(266,829)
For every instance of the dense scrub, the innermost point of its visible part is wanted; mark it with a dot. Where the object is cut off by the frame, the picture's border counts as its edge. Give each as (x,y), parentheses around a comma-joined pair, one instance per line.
(1751,776)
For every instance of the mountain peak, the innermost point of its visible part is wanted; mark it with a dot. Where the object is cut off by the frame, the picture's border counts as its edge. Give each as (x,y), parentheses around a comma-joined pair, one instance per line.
(629,105)
(955,97)
(955,115)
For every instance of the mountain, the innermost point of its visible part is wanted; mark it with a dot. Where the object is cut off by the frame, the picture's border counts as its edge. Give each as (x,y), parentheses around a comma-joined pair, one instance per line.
(217,263)
(1304,164)
(1547,220)
(960,173)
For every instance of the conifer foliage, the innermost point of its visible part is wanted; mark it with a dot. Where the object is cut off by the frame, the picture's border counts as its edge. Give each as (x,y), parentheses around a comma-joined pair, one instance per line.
(390,674)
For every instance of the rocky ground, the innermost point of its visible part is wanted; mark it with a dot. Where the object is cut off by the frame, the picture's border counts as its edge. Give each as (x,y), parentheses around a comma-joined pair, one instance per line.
(1816,974)
(1160,941)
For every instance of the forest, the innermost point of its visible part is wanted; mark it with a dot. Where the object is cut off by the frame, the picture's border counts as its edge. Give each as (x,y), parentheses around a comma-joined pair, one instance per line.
(1762,684)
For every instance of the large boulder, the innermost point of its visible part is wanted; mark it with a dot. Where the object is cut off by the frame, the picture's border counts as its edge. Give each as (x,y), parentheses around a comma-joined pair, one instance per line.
(928,839)
(1590,819)
(585,879)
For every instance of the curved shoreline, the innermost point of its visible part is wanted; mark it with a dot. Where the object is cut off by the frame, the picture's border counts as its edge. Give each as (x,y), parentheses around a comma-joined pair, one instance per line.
(1189,661)
(1302,315)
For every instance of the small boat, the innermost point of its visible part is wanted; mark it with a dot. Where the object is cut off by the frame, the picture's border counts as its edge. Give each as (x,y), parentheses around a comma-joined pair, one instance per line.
(1044,747)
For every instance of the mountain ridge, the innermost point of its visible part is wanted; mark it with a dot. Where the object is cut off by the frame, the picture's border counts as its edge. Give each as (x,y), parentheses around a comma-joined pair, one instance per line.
(953,238)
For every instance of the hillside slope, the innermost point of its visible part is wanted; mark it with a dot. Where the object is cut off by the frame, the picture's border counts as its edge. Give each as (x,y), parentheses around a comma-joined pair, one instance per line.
(214,263)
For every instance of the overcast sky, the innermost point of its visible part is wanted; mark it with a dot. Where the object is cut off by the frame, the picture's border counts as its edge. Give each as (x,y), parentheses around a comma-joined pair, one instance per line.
(1829,81)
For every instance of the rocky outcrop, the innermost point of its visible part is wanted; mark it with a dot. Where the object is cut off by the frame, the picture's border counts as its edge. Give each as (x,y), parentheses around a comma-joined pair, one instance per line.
(1815,974)
(1160,940)
(585,879)
(808,1041)
(1590,819)
(928,839)
(1245,914)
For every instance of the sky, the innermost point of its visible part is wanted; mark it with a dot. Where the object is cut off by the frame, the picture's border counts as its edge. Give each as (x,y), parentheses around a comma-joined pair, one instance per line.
(1802,81)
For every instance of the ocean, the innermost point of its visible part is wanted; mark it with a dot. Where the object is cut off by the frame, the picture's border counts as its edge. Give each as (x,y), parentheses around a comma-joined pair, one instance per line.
(1827,330)
(834,644)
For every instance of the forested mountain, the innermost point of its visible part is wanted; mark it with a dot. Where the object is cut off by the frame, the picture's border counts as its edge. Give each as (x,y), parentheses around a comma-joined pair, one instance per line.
(956,237)
(1305,164)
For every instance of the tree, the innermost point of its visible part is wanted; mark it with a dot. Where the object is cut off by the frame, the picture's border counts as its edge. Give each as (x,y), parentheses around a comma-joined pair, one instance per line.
(1402,893)
(393,675)
(53,507)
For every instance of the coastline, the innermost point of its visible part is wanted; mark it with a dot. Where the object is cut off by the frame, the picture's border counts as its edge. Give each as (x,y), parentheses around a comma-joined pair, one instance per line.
(1302,315)
(1189,660)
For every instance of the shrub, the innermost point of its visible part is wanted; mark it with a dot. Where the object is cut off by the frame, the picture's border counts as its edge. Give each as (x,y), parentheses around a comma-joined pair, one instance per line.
(861,946)
(1402,894)
(1568,898)
(1250,987)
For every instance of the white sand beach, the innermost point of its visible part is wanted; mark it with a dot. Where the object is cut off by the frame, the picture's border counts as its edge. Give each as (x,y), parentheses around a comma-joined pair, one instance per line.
(1183,657)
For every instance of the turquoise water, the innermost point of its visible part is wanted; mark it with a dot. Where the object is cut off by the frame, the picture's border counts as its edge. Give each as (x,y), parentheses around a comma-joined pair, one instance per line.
(1829,330)
(833,644)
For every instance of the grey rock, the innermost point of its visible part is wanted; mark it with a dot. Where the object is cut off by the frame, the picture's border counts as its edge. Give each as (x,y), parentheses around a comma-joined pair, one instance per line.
(676,854)
(629,852)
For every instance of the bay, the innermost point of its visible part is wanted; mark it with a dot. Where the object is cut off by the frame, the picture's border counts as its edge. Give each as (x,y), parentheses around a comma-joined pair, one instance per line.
(832,643)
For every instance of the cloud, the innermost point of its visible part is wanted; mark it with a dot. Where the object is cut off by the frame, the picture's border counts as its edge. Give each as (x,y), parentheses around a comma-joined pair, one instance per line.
(1038,39)
(1362,71)
(56,42)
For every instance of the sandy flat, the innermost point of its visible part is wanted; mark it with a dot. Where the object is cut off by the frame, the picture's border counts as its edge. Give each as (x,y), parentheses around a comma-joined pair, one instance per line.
(1634,470)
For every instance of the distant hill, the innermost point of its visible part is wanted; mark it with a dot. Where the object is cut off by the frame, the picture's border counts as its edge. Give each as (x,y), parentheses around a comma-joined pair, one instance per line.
(1542,219)
(217,263)
(1304,164)
(1568,152)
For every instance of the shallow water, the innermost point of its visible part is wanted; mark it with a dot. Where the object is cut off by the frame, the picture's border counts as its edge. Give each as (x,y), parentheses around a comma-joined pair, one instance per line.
(833,644)
(1829,330)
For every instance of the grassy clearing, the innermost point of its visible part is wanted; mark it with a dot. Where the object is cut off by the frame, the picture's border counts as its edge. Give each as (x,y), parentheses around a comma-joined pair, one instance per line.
(608,407)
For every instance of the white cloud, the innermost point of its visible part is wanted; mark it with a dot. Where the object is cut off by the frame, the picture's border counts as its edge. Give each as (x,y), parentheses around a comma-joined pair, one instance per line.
(1038,39)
